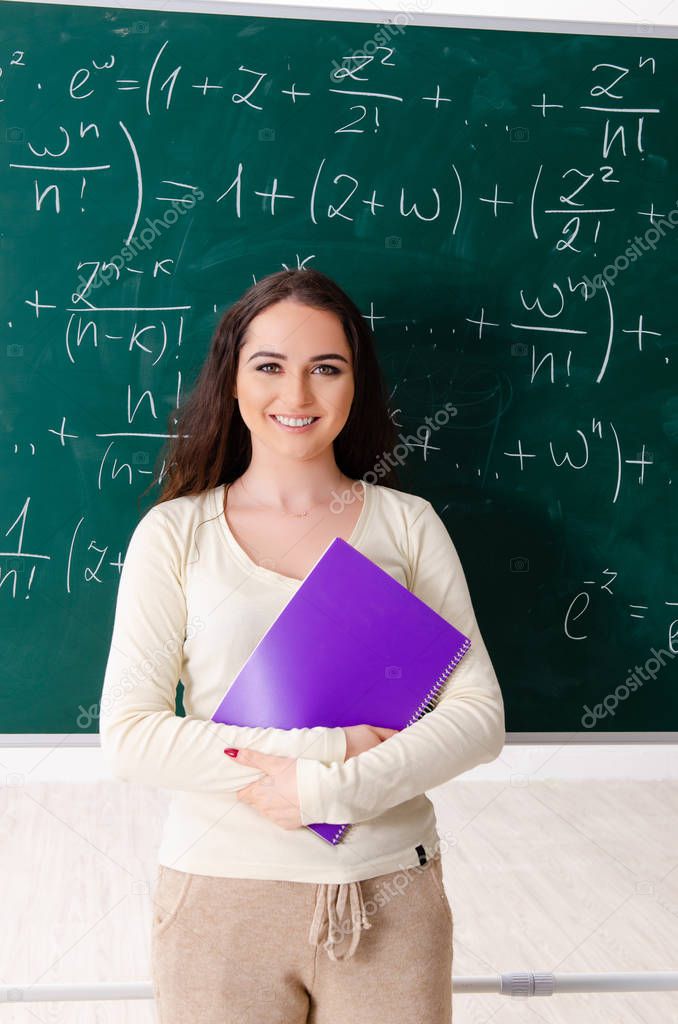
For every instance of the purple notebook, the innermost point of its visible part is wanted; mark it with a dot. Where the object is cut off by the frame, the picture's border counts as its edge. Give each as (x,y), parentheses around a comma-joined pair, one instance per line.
(351,647)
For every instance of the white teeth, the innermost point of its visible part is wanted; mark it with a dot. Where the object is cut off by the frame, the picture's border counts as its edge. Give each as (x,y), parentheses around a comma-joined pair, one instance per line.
(294,423)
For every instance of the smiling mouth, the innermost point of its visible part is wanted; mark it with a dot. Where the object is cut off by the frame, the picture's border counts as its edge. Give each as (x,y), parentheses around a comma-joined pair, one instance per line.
(275,415)
(303,426)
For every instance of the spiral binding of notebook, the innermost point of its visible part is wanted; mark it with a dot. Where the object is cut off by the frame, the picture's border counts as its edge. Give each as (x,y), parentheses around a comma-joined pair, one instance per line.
(338,836)
(426,706)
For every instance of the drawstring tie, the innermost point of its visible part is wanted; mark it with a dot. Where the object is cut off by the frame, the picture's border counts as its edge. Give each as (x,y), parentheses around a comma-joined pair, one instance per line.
(333,897)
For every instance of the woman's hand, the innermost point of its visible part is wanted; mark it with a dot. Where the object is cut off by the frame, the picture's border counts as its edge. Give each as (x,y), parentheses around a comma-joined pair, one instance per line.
(360,738)
(275,795)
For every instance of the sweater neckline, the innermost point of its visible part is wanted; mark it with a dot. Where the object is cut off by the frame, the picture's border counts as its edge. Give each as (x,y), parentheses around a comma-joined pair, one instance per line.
(261,571)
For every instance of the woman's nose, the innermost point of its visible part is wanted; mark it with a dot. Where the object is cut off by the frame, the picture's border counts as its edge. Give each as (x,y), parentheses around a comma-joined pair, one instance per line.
(296,387)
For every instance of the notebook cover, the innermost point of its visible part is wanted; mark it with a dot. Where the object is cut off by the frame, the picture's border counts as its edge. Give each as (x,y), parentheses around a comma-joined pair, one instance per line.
(352,646)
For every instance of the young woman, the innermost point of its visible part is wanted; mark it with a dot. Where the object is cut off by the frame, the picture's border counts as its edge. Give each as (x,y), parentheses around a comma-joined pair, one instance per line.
(277,452)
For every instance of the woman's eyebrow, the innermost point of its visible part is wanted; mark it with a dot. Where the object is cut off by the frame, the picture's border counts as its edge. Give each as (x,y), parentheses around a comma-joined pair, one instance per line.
(315,359)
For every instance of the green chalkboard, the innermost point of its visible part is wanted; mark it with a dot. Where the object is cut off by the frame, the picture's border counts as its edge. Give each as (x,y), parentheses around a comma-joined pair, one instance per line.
(466,187)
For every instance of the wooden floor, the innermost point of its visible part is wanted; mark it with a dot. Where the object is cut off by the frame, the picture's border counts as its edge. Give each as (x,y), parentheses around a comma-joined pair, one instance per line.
(553,876)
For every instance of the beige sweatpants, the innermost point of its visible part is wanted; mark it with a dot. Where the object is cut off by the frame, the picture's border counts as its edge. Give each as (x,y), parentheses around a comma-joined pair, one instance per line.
(257,951)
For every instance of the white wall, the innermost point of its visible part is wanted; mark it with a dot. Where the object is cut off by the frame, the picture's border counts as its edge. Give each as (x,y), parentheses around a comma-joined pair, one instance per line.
(518,763)
(638,16)
(646,12)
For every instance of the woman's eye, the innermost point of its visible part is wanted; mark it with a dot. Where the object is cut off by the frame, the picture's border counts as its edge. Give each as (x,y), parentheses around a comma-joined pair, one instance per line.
(321,366)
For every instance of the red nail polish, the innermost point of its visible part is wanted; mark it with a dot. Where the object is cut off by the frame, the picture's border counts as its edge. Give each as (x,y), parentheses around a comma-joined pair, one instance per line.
(231,751)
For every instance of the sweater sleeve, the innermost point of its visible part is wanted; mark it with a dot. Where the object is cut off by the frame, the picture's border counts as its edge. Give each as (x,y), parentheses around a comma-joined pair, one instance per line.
(464,729)
(142,738)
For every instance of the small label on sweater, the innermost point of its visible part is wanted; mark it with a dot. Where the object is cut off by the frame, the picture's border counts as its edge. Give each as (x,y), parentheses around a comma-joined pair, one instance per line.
(421,853)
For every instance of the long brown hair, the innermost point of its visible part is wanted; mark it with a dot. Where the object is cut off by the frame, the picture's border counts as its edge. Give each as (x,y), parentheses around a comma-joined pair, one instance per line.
(213,444)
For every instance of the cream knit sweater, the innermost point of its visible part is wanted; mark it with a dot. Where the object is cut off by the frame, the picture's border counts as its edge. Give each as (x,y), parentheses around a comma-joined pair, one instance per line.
(192,606)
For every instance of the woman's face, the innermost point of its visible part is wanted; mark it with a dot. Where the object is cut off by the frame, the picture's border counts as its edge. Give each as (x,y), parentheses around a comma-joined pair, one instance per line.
(291,379)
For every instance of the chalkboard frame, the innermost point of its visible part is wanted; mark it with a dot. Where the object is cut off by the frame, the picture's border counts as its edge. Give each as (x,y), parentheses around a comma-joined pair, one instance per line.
(420,18)
(564,25)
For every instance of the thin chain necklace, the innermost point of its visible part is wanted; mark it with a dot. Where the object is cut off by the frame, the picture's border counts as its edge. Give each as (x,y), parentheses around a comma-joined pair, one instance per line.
(294,515)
